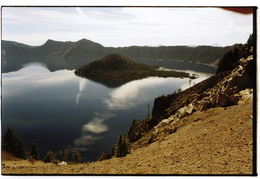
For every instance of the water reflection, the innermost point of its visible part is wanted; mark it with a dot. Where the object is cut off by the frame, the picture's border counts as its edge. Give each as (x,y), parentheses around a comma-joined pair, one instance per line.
(40,106)
(96,125)
(82,86)
(85,141)
(190,83)
(140,91)
(90,131)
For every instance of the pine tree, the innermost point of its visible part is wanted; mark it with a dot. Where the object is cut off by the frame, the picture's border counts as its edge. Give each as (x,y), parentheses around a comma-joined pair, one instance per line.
(76,156)
(35,151)
(113,151)
(123,146)
(13,144)
(49,157)
(118,147)
(64,154)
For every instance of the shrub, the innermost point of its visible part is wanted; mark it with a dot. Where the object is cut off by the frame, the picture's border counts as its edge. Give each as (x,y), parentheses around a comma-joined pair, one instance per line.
(50,157)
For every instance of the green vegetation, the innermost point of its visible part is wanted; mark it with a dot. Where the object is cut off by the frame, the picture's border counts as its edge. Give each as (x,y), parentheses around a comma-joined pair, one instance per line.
(122,146)
(50,157)
(115,67)
(232,57)
(13,144)
(35,152)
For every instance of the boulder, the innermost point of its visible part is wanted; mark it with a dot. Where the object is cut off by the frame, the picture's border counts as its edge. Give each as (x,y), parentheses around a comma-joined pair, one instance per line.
(242,81)
(62,163)
(223,99)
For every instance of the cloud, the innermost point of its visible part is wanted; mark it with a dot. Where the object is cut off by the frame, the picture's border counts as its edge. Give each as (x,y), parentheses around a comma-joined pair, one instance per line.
(126,26)
(96,125)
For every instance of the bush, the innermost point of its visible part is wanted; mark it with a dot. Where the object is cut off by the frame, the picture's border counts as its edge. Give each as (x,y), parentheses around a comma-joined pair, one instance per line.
(50,157)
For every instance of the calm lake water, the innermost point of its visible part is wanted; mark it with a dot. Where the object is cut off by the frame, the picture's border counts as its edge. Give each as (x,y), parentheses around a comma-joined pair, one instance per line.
(56,109)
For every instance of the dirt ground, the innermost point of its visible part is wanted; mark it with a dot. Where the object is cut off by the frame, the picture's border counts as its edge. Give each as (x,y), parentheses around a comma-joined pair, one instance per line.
(216,141)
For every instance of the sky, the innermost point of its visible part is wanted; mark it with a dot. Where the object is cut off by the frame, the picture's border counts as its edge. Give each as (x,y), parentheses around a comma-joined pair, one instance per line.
(126,26)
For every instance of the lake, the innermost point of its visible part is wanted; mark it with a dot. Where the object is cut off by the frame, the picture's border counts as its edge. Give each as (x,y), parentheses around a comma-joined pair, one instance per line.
(56,109)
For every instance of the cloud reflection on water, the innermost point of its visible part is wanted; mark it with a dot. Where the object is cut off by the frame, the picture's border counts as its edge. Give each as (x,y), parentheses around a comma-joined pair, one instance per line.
(83,143)
(82,86)
(133,93)
(90,131)
(96,125)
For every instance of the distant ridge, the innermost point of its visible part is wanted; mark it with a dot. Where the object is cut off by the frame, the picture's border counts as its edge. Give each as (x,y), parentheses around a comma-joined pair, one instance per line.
(70,55)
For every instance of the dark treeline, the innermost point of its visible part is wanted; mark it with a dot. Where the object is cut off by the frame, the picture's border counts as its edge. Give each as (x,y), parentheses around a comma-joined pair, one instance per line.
(13,144)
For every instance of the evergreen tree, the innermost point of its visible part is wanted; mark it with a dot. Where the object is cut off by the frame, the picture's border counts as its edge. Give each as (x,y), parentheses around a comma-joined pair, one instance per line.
(13,144)
(35,151)
(64,154)
(113,151)
(123,146)
(118,147)
(76,156)
(49,157)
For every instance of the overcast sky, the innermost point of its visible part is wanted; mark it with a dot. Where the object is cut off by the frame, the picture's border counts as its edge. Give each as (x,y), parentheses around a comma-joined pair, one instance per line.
(126,26)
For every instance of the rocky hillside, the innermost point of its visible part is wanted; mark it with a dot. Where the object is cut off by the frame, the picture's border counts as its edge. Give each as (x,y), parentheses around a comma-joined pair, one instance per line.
(220,90)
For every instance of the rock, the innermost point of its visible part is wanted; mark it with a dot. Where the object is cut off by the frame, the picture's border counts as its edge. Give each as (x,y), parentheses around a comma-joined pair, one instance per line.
(233,100)
(62,163)
(246,95)
(204,106)
(242,81)
(223,99)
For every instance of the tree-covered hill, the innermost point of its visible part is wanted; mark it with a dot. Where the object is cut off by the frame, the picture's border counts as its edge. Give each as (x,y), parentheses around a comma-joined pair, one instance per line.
(116,67)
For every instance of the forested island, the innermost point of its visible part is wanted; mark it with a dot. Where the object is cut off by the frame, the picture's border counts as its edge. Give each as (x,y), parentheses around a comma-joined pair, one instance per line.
(116,67)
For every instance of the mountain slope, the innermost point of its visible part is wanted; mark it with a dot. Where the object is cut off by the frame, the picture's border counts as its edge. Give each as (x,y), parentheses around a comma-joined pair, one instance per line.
(72,55)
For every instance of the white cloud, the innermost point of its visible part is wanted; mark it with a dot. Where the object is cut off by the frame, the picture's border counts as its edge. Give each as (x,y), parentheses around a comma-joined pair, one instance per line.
(126,26)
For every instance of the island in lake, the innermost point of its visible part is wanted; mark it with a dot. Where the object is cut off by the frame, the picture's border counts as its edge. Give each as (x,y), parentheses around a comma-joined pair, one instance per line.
(119,69)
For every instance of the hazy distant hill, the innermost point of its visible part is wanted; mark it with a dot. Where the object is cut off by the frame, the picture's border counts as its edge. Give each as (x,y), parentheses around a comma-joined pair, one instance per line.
(70,55)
